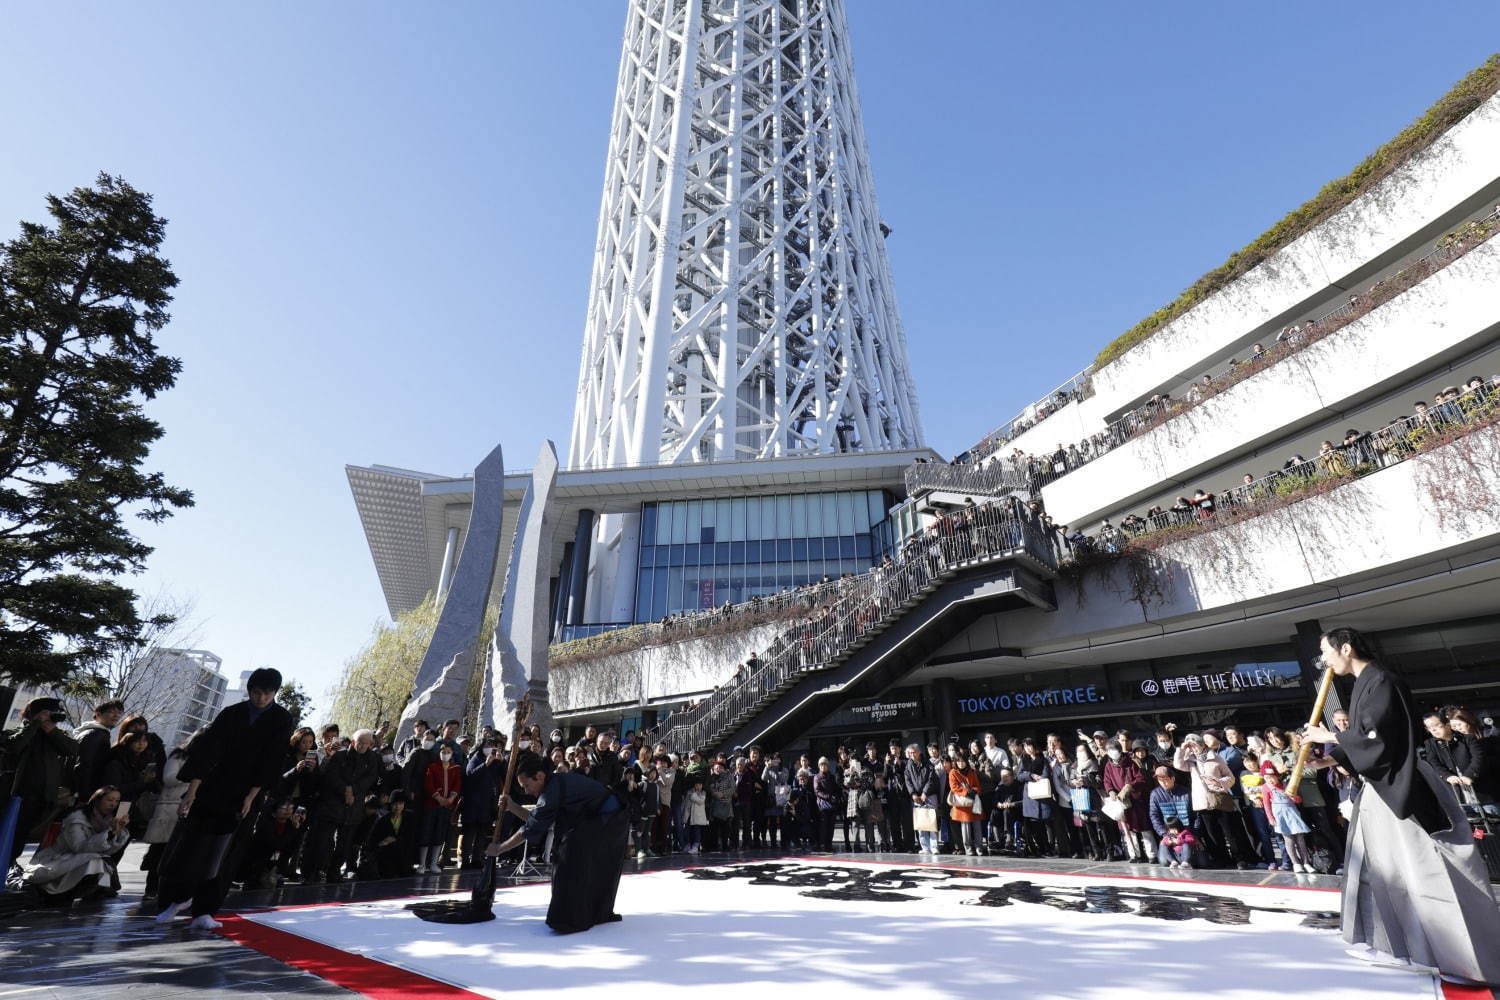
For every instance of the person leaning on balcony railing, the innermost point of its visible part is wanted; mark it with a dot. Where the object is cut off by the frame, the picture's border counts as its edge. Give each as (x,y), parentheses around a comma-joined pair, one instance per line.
(1357,446)
(1204,503)
(1199,388)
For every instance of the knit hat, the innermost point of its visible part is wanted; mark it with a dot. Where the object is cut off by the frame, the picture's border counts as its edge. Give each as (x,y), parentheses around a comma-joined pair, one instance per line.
(1268,769)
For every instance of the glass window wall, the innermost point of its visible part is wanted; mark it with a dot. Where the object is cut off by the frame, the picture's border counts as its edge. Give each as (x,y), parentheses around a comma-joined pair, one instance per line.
(697,554)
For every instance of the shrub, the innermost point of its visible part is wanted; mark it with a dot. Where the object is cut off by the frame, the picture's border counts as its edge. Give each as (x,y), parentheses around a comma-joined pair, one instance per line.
(1467,95)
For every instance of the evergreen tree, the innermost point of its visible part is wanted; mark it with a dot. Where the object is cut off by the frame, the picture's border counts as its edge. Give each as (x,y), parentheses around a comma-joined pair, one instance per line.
(296,701)
(80,301)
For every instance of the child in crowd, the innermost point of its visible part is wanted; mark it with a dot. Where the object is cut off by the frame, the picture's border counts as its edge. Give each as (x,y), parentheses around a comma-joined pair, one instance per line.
(697,815)
(1179,843)
(1007,817)
(361,861)
(1281,809)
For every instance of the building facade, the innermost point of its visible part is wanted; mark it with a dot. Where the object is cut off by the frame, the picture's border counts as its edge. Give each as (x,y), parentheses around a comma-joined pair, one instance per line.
(1163,539)
(178,690)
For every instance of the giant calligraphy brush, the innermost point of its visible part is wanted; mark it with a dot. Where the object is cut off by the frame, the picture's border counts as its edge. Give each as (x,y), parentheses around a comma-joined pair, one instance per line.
(481,903)
(1306,747)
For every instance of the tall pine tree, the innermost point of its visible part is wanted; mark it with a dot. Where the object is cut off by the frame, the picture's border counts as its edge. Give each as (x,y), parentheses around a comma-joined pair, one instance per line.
(80,301)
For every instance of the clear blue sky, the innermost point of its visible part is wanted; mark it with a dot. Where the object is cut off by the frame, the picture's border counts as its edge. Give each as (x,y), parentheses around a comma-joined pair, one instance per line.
(383,219)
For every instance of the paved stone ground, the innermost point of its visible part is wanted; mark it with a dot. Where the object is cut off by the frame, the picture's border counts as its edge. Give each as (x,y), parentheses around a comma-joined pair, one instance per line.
(109,951)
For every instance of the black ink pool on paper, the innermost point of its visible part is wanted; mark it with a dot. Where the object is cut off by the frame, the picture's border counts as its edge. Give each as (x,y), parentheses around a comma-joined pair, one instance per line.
(886,885)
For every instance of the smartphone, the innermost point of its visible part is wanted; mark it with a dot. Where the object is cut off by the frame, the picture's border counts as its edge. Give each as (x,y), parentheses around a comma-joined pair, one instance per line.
(123,811)
(311,755)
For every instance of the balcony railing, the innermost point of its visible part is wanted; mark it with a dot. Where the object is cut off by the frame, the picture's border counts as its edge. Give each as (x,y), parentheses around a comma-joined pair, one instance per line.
(1075,389)
(864,606)
(992,478)
(1395,442)
(593,640)
(1039,470)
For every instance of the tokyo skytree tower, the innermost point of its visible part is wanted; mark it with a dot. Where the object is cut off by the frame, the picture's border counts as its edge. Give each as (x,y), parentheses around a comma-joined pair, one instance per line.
(741,303)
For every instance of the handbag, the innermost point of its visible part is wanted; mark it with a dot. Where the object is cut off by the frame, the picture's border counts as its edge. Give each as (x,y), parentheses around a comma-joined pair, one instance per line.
(959,801)
(1114,809)
(924,819)
(1079,798)
(1220,801)
(1217,801)
(1039,789)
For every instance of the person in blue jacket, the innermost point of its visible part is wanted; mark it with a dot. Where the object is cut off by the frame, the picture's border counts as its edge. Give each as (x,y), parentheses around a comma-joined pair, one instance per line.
(1169,801)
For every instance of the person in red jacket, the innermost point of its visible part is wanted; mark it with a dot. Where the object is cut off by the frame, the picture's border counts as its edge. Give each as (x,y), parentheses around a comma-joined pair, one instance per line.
(444,783)
(967,811)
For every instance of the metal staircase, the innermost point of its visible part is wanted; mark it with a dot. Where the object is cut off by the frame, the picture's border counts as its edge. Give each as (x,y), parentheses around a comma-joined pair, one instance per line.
(880,625)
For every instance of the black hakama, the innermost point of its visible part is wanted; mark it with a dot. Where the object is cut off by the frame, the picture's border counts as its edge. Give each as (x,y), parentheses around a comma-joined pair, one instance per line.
(1415,886)
(590,829)
(589,860)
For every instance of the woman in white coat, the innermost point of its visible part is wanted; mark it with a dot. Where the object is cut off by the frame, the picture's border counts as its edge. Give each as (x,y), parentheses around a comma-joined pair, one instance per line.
(77,864)
(164,819)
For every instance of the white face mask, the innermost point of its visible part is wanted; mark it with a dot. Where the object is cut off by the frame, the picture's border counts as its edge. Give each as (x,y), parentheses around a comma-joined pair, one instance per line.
(1113,754)
(1164,744)
(428,744)
(445,756)
(388,758)
(524,744)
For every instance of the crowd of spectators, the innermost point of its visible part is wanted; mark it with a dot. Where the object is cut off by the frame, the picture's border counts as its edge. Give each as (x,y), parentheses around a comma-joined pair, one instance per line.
(330,807)
(1452,408)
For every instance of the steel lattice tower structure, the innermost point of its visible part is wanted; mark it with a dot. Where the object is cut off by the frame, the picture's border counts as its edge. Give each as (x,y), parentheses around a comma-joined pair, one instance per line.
(741,303)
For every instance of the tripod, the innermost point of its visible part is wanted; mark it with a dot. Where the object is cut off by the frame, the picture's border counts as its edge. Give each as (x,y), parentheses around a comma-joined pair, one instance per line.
(528,866)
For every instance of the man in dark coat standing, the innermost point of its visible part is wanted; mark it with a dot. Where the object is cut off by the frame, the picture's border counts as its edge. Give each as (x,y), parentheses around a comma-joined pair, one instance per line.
(226,769)
(590,831)
(922,786)
(899,813)
(1416,892)
(483,777)
(94,739)
(344,779)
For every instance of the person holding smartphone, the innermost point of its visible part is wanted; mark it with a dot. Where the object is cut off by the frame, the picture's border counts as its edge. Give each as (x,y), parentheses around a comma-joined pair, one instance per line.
(77,865)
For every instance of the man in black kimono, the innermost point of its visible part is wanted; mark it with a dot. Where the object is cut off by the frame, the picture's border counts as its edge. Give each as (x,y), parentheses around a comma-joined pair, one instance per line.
(590,829)
(1416,892)
(227,767)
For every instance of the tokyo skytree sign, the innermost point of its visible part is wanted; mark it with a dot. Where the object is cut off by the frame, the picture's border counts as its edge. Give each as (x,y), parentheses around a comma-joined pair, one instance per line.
(741,303)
